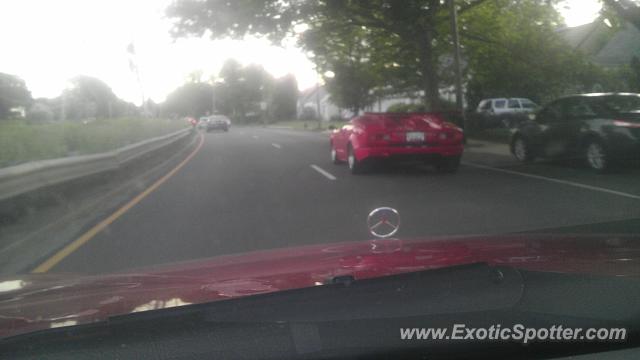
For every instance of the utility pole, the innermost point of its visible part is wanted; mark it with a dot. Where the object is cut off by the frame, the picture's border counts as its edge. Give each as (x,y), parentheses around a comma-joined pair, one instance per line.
(453,12)
(319,115)
(133,66)
(213,98)
(63,112)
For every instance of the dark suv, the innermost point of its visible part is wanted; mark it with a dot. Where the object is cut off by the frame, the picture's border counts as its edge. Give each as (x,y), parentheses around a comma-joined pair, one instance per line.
(599,128)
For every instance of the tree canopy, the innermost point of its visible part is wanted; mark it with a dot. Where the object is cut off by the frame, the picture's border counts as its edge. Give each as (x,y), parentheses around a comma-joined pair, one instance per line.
(283,99)
(13,93)
(407,30)
(238,91)
(509,47)
(191,99)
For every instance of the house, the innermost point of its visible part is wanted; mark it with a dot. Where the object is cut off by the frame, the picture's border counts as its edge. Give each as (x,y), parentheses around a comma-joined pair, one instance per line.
(604,46)
(317,99)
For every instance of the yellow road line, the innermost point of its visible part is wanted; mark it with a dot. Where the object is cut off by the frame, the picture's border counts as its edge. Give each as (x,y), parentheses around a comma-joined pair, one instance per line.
(84,238)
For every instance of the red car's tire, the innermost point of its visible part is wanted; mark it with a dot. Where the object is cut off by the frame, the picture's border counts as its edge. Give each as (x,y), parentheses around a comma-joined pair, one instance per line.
(355,166)
(334,155)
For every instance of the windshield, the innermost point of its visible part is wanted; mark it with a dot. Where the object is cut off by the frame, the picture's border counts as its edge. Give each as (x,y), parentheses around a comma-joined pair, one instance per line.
(158,154)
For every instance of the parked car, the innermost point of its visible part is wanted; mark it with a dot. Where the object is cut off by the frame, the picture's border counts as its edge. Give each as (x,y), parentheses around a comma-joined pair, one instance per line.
(600,128)
(504,112)
(202,123)
(400,137)
(227,120)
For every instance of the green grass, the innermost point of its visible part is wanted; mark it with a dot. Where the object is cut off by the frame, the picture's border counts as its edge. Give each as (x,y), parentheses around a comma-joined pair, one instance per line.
(499,135)
(311,125)
(22,142)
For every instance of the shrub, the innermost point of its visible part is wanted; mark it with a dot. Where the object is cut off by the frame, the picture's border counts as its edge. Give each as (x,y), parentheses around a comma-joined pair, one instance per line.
(402,107)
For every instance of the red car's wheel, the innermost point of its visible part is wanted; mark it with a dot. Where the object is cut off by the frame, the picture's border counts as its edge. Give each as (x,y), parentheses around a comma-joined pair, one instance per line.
(334,155)
(355,166)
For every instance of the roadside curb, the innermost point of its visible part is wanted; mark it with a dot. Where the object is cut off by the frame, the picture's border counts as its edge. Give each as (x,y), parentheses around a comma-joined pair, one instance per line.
(487,147)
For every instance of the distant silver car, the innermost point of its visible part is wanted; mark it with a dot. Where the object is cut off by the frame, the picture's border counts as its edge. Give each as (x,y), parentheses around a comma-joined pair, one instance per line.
(202,123)
(218,122)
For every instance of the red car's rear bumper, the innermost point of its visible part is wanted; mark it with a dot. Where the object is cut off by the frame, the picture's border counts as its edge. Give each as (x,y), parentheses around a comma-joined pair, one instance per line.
(408,152)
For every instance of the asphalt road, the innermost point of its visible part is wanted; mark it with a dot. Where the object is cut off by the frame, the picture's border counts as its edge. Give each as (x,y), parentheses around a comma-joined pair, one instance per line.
(255,188)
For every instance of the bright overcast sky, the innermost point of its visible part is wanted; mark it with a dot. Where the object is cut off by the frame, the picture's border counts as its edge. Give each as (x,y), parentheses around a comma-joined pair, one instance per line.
(47,42)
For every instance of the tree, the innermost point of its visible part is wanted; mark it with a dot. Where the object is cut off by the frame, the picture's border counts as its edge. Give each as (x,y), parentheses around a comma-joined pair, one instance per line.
(241,89)
(191,99)
(13,93)
(40,111)
(89,97)
(351,87)
(221,99)
(284,98)
(231,91)
(410,26)
(151,108)
(513,50)
(634,68)
(195,76)
(627,10)
(256,82)
(347,55)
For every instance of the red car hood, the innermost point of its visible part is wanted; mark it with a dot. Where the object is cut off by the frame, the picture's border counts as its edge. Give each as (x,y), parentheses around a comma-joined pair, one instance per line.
(34,302)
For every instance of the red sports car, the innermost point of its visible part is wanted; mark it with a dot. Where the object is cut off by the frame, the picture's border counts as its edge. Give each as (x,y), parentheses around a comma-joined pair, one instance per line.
(411,137)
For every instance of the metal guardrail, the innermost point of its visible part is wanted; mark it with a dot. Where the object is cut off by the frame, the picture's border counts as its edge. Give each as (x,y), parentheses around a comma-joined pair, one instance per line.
(23,178)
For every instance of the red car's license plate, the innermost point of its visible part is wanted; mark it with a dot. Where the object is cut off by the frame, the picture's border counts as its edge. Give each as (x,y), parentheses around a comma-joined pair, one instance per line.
(415,136)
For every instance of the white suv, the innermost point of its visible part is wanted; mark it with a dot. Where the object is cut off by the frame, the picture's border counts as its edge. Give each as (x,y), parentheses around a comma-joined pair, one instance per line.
(506,106)
(497,111)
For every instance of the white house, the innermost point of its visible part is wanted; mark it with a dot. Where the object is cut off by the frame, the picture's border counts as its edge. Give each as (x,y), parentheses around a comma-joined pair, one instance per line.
(317,98)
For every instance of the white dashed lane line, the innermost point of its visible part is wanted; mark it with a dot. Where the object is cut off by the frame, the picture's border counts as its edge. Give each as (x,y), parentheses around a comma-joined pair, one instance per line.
(277,146)
(323,172)
(255,137)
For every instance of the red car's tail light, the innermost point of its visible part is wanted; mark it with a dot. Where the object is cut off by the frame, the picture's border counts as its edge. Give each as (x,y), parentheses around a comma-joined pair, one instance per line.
(449,137)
